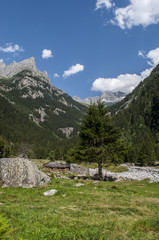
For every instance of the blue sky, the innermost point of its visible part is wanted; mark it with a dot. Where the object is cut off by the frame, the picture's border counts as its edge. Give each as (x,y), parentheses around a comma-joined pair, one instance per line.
(86,46)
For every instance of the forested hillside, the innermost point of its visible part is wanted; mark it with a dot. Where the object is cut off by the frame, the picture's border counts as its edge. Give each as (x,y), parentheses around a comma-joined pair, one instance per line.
(138,118)
(36,117)
(26,137)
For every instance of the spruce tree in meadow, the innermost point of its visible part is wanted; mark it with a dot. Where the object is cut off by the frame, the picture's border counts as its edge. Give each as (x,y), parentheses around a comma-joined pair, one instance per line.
(100,140)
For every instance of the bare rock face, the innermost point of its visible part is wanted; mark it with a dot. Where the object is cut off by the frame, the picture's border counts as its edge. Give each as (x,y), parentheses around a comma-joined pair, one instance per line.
(27,64)
(67,131)
(20,172)
(106,97)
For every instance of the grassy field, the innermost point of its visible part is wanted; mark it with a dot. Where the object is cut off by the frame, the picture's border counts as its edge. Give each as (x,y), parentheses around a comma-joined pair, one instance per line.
(97,210)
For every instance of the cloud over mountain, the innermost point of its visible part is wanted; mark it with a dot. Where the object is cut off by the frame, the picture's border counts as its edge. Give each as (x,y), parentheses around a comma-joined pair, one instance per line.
(73,70)
(46,53)
(56,75)
(127,82)
(123,82)
(11,48)
(153,55)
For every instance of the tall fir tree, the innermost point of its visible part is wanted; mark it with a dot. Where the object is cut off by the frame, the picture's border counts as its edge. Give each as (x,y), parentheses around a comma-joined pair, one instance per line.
(100,140)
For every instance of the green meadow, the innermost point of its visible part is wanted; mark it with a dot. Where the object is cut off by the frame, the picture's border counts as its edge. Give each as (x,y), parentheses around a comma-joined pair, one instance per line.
(95,211)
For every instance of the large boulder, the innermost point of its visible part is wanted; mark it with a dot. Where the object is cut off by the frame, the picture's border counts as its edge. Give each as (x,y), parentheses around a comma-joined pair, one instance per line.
(74,168)
(20,172)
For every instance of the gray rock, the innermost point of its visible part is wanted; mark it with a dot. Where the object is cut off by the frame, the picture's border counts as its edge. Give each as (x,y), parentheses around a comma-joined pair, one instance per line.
(93,171)
(56,165)
(20,172)
(156,163)
(80,170)
(50,192)
(138,173)
(67,131)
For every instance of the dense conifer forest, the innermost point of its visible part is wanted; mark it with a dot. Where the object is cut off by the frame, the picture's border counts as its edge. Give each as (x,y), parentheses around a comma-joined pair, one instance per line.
(138,118)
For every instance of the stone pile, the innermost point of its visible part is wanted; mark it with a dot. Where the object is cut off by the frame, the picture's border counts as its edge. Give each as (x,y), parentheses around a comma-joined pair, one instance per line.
(133,173)
(138,173)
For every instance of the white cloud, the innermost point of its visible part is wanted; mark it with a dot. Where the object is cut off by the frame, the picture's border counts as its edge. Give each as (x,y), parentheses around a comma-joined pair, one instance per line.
(124,82)
(103,3)
(141,53)
(56,75)
(73,70)
(146,73)
(153,55)
(139,12)
(1,60)
(127,82)
(10,48)
(46,53)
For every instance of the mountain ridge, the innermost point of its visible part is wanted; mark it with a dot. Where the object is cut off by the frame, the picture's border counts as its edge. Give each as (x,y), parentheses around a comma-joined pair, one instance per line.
(106,97)
(27,64)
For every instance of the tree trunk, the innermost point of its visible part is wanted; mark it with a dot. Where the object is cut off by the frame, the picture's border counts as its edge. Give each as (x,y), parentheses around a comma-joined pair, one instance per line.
(100,169)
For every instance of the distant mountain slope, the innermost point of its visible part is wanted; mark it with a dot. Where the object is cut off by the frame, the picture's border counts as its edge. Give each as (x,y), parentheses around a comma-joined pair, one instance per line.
(35,111)
(108,98)
(138,116)
(16,127)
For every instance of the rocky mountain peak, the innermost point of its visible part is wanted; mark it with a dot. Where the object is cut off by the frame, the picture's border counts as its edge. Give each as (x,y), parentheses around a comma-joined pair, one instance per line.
(108,98)
(27,64)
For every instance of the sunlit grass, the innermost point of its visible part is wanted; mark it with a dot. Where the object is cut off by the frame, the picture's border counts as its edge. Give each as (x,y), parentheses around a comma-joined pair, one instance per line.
(97,210)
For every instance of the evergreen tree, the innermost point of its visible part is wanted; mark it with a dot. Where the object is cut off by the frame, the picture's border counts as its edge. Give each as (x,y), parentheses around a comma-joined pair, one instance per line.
(99,139)
(147,152)
(52,155)
(5,148)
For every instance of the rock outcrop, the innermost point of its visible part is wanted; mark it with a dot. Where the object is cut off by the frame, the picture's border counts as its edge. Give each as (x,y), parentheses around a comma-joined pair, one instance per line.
(27,64)
(20,172)
(67,131)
